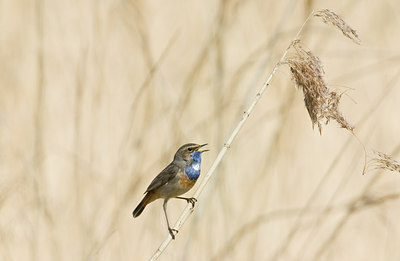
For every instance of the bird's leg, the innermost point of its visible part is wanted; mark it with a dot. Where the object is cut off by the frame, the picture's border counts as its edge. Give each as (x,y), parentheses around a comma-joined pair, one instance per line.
(170,230)
(189,200)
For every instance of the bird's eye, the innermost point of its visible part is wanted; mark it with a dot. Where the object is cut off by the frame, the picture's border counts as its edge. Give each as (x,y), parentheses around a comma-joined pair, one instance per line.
(190,149)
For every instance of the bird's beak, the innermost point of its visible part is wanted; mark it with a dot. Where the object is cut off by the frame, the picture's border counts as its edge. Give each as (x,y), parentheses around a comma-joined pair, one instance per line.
(199,147)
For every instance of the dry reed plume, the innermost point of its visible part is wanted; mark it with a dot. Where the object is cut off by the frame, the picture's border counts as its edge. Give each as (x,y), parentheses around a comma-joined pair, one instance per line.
(308,74)
(385,162)
(330,17)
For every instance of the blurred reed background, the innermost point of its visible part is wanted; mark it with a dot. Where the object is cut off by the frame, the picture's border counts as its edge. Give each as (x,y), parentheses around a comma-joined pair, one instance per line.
(96,96)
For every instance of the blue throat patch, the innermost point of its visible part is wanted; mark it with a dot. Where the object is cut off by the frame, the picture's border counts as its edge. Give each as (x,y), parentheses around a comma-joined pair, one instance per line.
(193,170)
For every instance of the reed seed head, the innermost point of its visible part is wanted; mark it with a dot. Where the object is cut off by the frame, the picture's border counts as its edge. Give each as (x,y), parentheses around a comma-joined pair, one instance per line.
(330,17)
(385,162)
(308,74)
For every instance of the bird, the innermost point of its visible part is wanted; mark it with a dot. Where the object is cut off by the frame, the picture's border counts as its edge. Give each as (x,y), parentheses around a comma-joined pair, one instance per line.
(174,180)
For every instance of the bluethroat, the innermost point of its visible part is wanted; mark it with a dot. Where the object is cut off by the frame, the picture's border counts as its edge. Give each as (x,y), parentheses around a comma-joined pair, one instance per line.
(176,179)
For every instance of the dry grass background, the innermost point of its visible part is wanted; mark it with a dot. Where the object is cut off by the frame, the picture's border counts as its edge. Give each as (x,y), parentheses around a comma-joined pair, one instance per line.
(96,96)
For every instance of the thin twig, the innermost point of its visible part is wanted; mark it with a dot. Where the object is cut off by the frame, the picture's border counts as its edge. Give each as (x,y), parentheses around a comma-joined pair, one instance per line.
(188,210)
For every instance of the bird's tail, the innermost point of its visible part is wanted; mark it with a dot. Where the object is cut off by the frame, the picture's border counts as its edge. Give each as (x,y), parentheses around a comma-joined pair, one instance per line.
(146,200)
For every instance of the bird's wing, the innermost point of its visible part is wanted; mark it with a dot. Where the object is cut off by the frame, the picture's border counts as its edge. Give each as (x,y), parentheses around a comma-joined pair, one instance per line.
(165,176)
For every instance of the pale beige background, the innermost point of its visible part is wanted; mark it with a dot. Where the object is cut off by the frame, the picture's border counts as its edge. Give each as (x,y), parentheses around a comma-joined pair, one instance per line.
(96,96)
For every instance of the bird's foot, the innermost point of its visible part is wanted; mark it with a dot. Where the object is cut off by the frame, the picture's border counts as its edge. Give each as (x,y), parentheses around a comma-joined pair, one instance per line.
(172,232)
(189,200)
(192,201)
